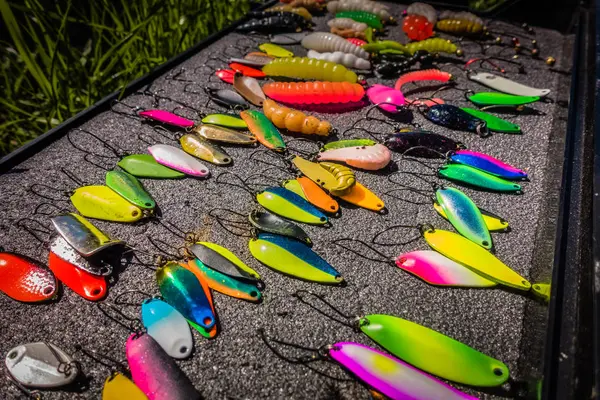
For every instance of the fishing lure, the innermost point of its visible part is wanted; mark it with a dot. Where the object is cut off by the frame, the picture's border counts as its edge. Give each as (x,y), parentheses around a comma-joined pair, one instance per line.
(422,347)
(225,284)
(204,150)
(178,159)
(314,92)
(25,280)
(372,20)
(128,187)
(210,256)
(459,26)
(145,166)
(474,257)
(380,10)
(219,134)
(500,99)
(249,88)
(154,372)
(291,206)
(264,131)
(226,75)
(227,98)
(312,193)
(41,365)
(271,223)
(464,215)
(439,270)
(294,120)
(422,9)
(166,117)
(92,265)
(293,258)
(81,234)
(455,118)
(362,197)
(356,41)
(296,10)
(275,22)
(492,221)
(298,19)
(309,68)
(378,46)
(275,51)
(288,38)
(181,289)
(386,98)
(433,45)
(168,327)
(89,286)
(417,27)
(118,386)
(477,178)
(505,85)
(464,15)
(487,164)
(225,120)
(424,75)
(347,23)
(370,158)
(101,202)
(340,144)
(493,123)
(246,70)
(345,59)
(337,182)
(312,5)
(259,58)
(231,257)
(324,42)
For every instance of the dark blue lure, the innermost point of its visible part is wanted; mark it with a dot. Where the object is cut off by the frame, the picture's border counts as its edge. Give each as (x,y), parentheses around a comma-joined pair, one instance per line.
(455,118)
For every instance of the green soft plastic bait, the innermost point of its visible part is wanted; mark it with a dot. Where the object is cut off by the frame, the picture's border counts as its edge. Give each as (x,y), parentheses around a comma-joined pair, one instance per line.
(494,123)
(434,352)
(340,144)
(372,20)
(500,99)
(145,166)
(377,47)
(464,215)
(293,258)
(225,120)
(476,178)
(128,187)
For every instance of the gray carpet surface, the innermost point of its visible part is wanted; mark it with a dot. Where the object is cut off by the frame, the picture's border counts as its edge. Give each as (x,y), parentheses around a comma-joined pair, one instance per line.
(236,364)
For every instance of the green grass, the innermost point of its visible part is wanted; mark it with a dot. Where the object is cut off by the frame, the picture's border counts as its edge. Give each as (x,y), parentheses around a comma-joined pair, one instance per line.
(58,57)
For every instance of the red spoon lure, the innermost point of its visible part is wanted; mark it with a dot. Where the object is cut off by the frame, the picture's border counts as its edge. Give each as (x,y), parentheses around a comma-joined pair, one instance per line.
(24,280)
(89,286)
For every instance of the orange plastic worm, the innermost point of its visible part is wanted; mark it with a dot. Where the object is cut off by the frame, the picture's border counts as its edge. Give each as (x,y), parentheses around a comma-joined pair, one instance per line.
(294,120)
(424,75)
(311,5)
(314,92)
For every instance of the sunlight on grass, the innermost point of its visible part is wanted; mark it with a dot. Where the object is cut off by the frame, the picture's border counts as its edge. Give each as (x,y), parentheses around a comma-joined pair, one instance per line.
(59,57)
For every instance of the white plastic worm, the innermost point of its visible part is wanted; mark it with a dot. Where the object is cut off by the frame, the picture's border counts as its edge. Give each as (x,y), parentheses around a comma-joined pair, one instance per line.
(378,9)
(461,15)
(347,23)
(346,59)
(324,42)
(423,9)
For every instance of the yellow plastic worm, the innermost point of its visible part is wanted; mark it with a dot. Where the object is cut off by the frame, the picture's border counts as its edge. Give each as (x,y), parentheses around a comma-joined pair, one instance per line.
(434,45)
(296,10)
(459,26)
(309,68)
(294,120)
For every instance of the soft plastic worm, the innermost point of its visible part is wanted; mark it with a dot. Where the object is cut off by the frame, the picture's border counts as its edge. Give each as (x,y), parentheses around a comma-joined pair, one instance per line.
(309,68)
(348,33)
(294,120)
(458,26)
(346,59)
(424,75)
(296,10)
(324,42)
(360,5)
(347,23)
(461,15)
(434,45)
(423,9)
(314,92)
(312,5)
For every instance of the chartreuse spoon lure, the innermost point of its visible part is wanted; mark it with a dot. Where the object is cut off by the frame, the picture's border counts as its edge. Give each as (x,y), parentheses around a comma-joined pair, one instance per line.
(117,386)
(101,202)
(493,123)
(168,327)
(128,186)
(474,257)
(477,178)
(263,129)
(293,258)
(464,215)
(275,51)
(424,348)
(493,222)
(288,204)
(500,99)
(225,120)
(145,166)
(487,164)
(182,290)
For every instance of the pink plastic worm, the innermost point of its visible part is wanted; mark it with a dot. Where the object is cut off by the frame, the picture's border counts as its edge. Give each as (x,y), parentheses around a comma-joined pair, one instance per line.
(167,117)
(384,94)
(314,92)
(425,75)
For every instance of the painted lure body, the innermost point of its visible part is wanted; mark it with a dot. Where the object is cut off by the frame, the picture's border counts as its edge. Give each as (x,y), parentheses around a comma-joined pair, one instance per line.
(309,68)
(178,159)
(226,284)
(295,120)
(505,85)
(324,42)
(312,193)
(204,150)
(422,144)
(474,177)
(101,202)
(166,117)
(130,188)
(392,98)
(271,223)
(371,158)
(263,130)
(290,205)
(487,164)
(89,286)
(25,280)
(455,118)
(314,92)
(345,59)
(168,327)
(249,88)
(82,235)
(224,135)
(493,123)
(145,166)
